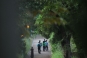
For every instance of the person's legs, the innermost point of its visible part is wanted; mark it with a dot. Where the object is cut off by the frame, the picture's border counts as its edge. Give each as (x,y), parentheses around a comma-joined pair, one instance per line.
(43,48)
(47,48)
(39,50)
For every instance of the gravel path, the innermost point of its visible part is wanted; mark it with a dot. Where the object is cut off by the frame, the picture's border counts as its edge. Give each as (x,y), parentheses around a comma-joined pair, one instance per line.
(46,54)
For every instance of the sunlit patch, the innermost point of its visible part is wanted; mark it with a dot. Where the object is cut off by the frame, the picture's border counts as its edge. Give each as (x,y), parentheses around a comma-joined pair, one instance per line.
(22,35)
(28,26)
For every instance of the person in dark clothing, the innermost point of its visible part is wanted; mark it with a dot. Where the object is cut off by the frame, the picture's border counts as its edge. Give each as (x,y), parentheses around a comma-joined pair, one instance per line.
(39,47)
(44,45)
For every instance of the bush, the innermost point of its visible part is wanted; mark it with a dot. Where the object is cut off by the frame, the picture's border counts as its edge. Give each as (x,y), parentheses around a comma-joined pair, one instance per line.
(57,51)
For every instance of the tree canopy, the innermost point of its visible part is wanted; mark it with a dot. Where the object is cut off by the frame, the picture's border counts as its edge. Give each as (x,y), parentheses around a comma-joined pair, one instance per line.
(60,17)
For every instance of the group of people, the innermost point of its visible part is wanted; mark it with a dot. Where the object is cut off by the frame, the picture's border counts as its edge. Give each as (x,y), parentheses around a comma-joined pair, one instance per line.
(44,44)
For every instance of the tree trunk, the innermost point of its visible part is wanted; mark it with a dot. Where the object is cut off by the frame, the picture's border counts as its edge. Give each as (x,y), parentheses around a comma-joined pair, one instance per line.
(66,46)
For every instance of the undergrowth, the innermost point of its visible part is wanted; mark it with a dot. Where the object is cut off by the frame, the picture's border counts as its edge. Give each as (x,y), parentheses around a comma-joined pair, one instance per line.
(57,51)
(27,46)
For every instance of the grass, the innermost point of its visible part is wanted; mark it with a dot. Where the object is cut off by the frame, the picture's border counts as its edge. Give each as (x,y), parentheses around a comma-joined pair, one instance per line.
(57,51)
(57,54)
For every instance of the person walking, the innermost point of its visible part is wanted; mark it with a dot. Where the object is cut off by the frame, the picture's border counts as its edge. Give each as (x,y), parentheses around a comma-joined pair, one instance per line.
(46,45)
(39,47)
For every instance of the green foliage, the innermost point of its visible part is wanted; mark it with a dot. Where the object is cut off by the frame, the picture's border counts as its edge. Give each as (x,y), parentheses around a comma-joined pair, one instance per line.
(39,20)
(77,21)
(73,45)
(25,18)
(57,54)
(72,11)
(25,47)
(51,36)
(47,20)
(20,56)
(74,57)
(28,42)
(57,51)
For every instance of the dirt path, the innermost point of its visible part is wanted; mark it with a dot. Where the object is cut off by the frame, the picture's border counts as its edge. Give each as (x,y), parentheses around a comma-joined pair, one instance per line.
(46,54)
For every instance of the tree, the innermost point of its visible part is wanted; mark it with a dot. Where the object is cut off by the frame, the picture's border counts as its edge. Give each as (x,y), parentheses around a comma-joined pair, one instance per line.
(77,21)
(50,21)
(50,13)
